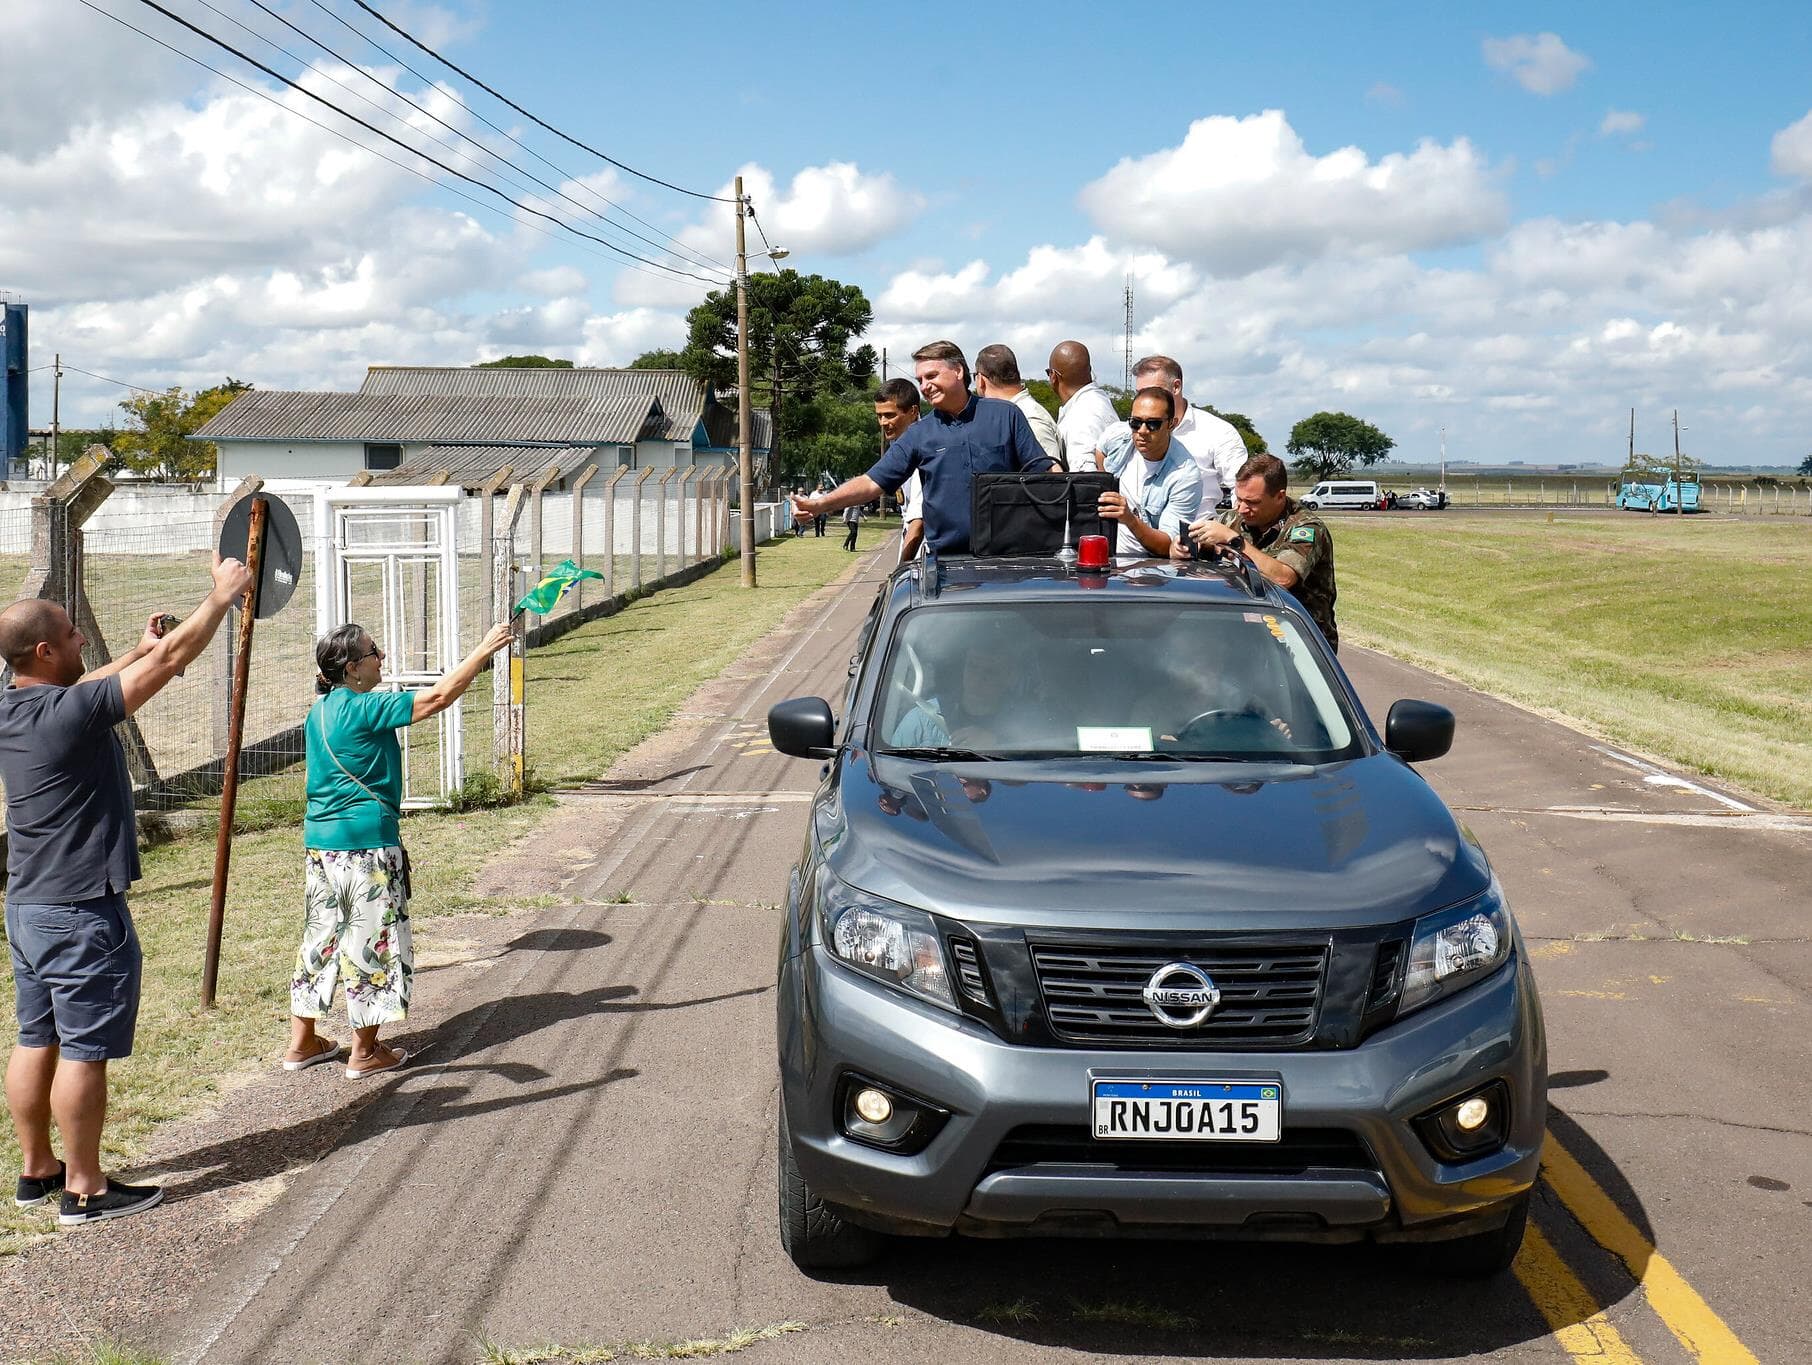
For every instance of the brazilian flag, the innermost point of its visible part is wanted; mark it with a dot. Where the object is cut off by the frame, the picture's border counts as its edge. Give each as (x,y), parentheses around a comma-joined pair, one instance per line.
(552,588)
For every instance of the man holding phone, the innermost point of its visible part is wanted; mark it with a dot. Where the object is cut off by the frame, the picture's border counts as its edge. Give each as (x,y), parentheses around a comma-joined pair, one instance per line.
(1160,488)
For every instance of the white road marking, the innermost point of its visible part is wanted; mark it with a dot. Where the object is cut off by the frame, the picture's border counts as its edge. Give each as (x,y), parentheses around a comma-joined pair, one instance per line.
(1660,777)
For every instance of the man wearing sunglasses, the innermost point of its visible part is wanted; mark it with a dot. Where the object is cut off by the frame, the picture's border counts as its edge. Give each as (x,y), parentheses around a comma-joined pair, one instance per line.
(1160,489)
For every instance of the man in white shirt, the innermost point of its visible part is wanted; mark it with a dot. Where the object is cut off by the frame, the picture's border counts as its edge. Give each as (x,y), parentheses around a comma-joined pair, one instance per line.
(1160,490)
(896,408)
(997,376)
(1213,443)
(1086,410)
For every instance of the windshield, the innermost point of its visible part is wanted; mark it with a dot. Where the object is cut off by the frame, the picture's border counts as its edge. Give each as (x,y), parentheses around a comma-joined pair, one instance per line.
(1115,678)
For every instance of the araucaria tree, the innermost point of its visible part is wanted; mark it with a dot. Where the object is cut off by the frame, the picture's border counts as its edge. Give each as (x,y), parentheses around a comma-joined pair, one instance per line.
(800,332)
(1329,444)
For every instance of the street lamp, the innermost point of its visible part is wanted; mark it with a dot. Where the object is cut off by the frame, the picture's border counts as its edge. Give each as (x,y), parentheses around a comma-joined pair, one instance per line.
(745,462)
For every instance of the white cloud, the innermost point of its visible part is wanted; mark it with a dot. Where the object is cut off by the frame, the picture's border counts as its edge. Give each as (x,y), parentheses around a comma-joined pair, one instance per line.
(1239,194)
(552,282)
(1382,92)
(1620,121)
(1792,149)
(1540,63)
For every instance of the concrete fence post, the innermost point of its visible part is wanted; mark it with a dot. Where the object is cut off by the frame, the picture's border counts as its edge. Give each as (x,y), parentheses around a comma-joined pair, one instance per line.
(487,547)
(660,524)
(537,540)
(635,529)
(610,531)
(586,475)
(507,737)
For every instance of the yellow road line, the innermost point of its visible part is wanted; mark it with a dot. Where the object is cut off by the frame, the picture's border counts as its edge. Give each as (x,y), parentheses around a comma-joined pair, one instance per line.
(1688,1317)
(1579,1323)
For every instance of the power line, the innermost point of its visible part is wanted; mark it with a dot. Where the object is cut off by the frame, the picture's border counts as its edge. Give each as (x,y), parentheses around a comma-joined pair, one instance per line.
(107,379)
(423,109)
(344,136)
(602,156)
(370,127)
(684,252)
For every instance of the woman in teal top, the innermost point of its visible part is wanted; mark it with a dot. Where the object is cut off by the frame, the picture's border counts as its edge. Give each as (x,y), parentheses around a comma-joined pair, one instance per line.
(356,898)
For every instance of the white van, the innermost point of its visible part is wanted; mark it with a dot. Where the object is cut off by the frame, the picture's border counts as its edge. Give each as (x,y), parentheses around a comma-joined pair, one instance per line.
(1363,494)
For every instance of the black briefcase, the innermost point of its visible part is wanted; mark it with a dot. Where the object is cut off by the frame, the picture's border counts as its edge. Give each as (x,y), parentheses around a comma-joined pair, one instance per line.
(1034,514)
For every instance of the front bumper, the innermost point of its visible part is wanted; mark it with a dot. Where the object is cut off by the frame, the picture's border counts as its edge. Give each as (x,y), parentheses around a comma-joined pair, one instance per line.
(833,1022)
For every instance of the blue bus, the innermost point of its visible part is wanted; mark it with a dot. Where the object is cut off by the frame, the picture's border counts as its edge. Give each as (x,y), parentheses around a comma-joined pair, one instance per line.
(1656,490)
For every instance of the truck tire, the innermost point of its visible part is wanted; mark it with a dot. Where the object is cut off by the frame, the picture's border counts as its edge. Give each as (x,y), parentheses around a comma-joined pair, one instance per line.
(1485,1254)
(813,1234)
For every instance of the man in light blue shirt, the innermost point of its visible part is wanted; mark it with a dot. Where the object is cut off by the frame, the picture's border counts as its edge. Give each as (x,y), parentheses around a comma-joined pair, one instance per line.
(1160,487)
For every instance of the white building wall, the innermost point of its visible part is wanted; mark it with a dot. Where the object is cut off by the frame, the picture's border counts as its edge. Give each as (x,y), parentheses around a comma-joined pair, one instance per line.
(335,461)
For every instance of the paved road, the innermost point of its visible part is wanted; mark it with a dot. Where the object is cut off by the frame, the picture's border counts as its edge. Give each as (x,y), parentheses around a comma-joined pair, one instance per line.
(587,1154)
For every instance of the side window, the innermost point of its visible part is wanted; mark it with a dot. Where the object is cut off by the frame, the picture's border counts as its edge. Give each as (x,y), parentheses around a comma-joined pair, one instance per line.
(383,456)
(858,661)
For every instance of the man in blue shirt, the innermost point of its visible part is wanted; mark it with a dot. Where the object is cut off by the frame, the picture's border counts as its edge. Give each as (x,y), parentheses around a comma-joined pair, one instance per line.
(961,436)
(1160,487)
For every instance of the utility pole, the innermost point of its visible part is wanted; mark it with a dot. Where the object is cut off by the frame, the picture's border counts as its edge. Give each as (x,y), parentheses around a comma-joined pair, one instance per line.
(1126,344)
(56,400)
(1679,486)
(1632,459)
(746,474)
(1443,459)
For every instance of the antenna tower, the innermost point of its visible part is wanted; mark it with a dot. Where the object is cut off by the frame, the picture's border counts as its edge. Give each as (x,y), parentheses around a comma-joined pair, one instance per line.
(1126,343)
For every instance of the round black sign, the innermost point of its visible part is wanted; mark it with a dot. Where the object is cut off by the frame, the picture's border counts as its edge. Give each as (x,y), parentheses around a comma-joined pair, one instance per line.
(282,566)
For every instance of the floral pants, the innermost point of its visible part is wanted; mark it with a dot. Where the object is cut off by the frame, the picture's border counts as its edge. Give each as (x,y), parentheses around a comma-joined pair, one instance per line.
(356,931)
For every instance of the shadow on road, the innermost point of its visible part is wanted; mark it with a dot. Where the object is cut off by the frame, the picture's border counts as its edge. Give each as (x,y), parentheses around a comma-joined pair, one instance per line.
(1267,1300)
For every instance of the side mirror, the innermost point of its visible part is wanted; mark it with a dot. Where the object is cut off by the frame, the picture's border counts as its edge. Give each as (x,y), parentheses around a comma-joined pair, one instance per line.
(1416,731)
(803,727)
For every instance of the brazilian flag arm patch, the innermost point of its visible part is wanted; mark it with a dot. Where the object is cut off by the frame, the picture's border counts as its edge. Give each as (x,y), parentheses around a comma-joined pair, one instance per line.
(1305,534)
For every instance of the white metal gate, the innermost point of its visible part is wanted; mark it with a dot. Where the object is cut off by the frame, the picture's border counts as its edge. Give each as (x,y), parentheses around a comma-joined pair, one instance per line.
(389,559)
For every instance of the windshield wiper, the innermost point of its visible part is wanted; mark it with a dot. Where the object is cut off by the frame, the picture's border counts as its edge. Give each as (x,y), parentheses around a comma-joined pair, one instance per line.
(1186,756)
(940,754)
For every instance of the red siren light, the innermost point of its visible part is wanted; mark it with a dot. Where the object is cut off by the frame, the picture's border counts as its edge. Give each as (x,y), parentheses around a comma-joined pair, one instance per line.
(1091,553)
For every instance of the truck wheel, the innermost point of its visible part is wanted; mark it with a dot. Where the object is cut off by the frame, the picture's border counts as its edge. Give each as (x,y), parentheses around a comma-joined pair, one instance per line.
(1484,1255)
(812,1233)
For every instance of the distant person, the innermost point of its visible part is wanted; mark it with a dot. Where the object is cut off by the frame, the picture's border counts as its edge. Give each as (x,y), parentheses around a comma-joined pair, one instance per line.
(1160,489)
(355,896)
(963,435)
(72,852)
(997,376)
(1086,410)
(852,523)
(896,408)
(1284,540)
(1212,442)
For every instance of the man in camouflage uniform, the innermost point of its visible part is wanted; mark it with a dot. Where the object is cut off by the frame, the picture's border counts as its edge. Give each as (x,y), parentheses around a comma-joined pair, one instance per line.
(1286,541)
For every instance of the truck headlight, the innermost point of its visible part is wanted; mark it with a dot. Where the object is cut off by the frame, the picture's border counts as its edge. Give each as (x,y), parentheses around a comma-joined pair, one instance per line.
(1453,949)
(892,943)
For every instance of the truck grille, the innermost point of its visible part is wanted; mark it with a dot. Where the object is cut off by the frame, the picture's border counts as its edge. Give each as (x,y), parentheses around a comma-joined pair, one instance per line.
(1300,1149)
(1269,994)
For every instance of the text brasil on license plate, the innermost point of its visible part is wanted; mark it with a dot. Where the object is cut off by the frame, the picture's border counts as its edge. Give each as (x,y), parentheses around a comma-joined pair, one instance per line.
(1188,1111)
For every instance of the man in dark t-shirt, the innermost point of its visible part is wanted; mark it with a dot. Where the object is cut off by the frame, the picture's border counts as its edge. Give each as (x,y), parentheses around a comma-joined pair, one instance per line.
(961,436)
(72,852)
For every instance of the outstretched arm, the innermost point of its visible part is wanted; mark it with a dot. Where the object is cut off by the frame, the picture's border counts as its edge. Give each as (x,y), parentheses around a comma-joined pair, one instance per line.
(144,677)
(846,494)
(431,701)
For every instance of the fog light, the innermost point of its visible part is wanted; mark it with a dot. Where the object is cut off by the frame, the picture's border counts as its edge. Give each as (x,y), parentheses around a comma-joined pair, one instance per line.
(1469,1116)
(875,1107)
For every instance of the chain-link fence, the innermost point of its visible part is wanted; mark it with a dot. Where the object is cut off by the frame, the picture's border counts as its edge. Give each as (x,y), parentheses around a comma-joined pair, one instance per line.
(114,558)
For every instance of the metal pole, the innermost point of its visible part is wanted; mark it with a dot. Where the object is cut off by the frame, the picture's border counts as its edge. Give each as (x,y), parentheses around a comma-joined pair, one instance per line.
(229,789)
(743,438)
(56,401)
(1679,485)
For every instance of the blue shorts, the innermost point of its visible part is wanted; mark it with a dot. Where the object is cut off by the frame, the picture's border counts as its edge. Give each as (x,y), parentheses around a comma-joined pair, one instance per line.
(76,974)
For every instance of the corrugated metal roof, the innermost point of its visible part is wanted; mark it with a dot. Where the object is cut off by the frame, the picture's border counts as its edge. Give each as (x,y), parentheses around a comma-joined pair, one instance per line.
(275,415)
(682,397)
(472,467)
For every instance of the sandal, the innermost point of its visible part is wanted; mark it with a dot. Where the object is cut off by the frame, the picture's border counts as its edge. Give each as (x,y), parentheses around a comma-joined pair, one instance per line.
(372,1067)
(327,1052)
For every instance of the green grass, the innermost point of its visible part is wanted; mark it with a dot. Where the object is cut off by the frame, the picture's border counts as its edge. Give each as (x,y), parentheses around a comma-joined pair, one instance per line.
(701,1348)
(592,695)
(1689,639)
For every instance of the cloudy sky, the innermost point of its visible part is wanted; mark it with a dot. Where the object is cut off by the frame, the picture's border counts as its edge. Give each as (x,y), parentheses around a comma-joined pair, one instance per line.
(1512,222)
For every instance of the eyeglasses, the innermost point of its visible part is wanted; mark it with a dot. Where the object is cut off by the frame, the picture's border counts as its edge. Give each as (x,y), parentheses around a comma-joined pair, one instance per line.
(1148,423)
(373,653)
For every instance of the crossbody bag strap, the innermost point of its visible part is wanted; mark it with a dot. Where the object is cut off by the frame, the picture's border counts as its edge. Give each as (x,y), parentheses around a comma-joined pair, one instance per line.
(394,810)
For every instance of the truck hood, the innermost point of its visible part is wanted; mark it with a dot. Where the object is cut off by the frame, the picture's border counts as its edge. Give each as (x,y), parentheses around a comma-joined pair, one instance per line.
(1359,843)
